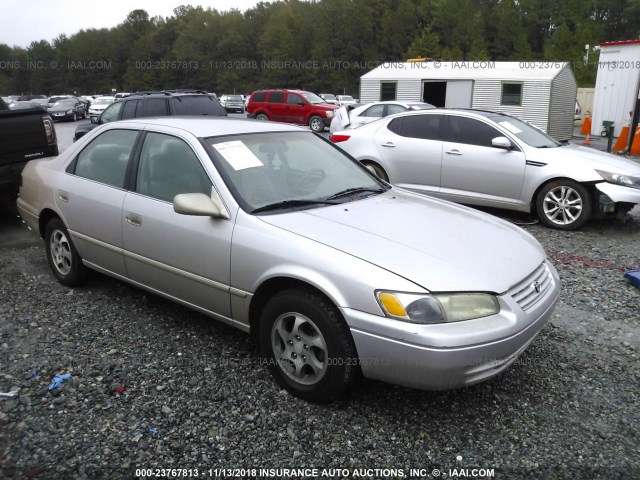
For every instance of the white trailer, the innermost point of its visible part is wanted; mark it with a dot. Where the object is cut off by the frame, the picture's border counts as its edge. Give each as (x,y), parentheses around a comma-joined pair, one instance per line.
(542,93)
(617,85)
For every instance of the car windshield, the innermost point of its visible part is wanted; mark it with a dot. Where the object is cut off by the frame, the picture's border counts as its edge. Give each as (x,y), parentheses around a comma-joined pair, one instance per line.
(281,170)
(312,97)
(102,101)
(525,131)
(346,97)
(234,98)
(64,103)
(328,96)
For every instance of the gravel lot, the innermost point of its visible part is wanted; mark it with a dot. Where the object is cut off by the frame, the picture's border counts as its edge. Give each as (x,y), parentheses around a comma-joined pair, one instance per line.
(153,385)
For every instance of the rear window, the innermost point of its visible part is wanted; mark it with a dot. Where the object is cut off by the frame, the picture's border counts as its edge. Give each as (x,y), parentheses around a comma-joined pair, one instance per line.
(198,105)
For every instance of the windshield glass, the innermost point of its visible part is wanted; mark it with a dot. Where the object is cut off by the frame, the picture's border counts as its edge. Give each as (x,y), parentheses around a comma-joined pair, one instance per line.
(270,168)
(64,103)
(234,98)
(103,101)
(525,132)
(312,97)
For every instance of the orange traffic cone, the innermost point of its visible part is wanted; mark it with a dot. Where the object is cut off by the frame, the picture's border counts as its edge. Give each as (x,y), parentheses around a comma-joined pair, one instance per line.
(635,147)
(586,126)
(623,139)
(587,140)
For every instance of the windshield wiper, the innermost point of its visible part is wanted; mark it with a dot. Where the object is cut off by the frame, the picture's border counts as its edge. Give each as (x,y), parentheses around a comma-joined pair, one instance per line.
(353,190)
(292,203)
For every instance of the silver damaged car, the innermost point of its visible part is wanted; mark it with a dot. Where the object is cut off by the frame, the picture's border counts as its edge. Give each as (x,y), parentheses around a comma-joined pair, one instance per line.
(273,230)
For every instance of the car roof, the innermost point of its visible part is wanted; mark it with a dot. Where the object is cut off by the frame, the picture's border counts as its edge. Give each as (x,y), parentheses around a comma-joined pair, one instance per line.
(213,126)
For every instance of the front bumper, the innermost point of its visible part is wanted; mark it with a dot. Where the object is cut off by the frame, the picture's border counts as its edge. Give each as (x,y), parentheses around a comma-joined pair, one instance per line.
(619,193)
(446,356)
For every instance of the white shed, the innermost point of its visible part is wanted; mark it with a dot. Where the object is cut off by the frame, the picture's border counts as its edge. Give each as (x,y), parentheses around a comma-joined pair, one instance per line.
(617,84)
(542,93)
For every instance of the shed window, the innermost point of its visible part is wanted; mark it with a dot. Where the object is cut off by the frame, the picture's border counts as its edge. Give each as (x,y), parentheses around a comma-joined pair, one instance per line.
(511,94)
(387,91)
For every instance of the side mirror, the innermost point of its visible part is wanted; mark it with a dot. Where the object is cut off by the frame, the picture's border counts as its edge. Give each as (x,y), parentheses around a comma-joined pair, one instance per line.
(94,119)
(199,204)
(502,142)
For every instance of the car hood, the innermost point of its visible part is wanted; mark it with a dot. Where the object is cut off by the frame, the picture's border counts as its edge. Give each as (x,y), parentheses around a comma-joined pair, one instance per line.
(584,156)
(433,243)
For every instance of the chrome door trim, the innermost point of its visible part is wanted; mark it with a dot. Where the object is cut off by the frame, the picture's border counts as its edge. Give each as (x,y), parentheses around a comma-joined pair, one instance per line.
(107,246)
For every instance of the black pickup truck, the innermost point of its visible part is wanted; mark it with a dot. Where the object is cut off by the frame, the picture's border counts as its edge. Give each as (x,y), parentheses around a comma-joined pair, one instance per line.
(25,134)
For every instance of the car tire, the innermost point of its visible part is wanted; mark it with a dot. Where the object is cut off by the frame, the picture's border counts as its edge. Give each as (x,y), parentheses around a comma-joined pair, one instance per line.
(307,345)
(63,258)
(262,116)
(376,170)
(316,124)
(563,204)
(75,117)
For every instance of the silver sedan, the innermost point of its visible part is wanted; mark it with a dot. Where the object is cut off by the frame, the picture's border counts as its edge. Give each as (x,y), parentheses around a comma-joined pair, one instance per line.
(275,231)
(495,160)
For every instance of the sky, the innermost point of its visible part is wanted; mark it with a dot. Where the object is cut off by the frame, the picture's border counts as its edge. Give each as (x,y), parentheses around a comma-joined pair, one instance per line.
(26,21)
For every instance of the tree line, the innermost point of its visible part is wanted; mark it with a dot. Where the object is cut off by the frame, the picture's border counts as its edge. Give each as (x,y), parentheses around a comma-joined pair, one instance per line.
(321,45)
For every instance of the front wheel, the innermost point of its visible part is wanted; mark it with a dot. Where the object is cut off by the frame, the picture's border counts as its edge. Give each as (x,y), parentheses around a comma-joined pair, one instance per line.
(307,345)
(62,255)
(316,124)
(563,204)
(261,116)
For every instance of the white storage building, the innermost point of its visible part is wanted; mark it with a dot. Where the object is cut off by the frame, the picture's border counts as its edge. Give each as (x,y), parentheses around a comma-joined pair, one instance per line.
(617,84)
(542,93)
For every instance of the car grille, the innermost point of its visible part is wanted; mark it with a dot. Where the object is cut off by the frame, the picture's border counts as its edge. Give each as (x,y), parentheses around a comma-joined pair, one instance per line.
(525,293)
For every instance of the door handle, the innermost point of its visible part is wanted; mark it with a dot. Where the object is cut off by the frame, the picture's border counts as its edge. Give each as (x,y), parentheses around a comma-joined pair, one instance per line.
(453,152)
(389,145)
(134,219)
(64,196)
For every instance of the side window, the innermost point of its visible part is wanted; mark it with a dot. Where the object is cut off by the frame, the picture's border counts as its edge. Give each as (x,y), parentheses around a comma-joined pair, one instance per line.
(375,111)
(129,110)
(169,167)
(293,99)
(259,97)
(425,127)
(511,94)
(387,91)
(393,109)
(154,107)
(111,113)
(470,131)
(276,97)
(105,159)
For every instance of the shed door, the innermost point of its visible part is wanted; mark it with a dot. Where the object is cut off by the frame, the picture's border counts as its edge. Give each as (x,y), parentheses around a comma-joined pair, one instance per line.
(459,94)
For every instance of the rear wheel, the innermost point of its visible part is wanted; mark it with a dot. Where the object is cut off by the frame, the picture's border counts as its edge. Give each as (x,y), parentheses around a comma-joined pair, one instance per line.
(261,116)
(316,124)
(563,204)
(307,345)
(62,255)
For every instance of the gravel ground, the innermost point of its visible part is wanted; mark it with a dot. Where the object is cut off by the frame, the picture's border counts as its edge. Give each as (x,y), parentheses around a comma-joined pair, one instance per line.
(153,385)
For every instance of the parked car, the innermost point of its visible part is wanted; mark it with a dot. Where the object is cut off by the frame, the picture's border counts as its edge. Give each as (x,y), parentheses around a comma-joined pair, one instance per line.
(67,109)
(344,119)
(25,134)
(233,103)
(346,100)
(273,230)
(329,98)
(99,105)
(495,160)
(578,113)
(155,104)
(291,106)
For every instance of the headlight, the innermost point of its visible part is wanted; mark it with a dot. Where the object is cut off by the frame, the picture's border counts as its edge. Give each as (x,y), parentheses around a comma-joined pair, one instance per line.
(437,307)
(69,112)
(329,113)
(632,181)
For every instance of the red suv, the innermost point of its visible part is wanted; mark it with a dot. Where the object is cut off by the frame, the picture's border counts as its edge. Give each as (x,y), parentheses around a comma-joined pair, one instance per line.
(291,106)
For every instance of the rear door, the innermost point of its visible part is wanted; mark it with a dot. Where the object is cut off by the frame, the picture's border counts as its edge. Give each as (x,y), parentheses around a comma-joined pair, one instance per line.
(411,148)
(276,107)
(91,197)
(474,171)
(186,257)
